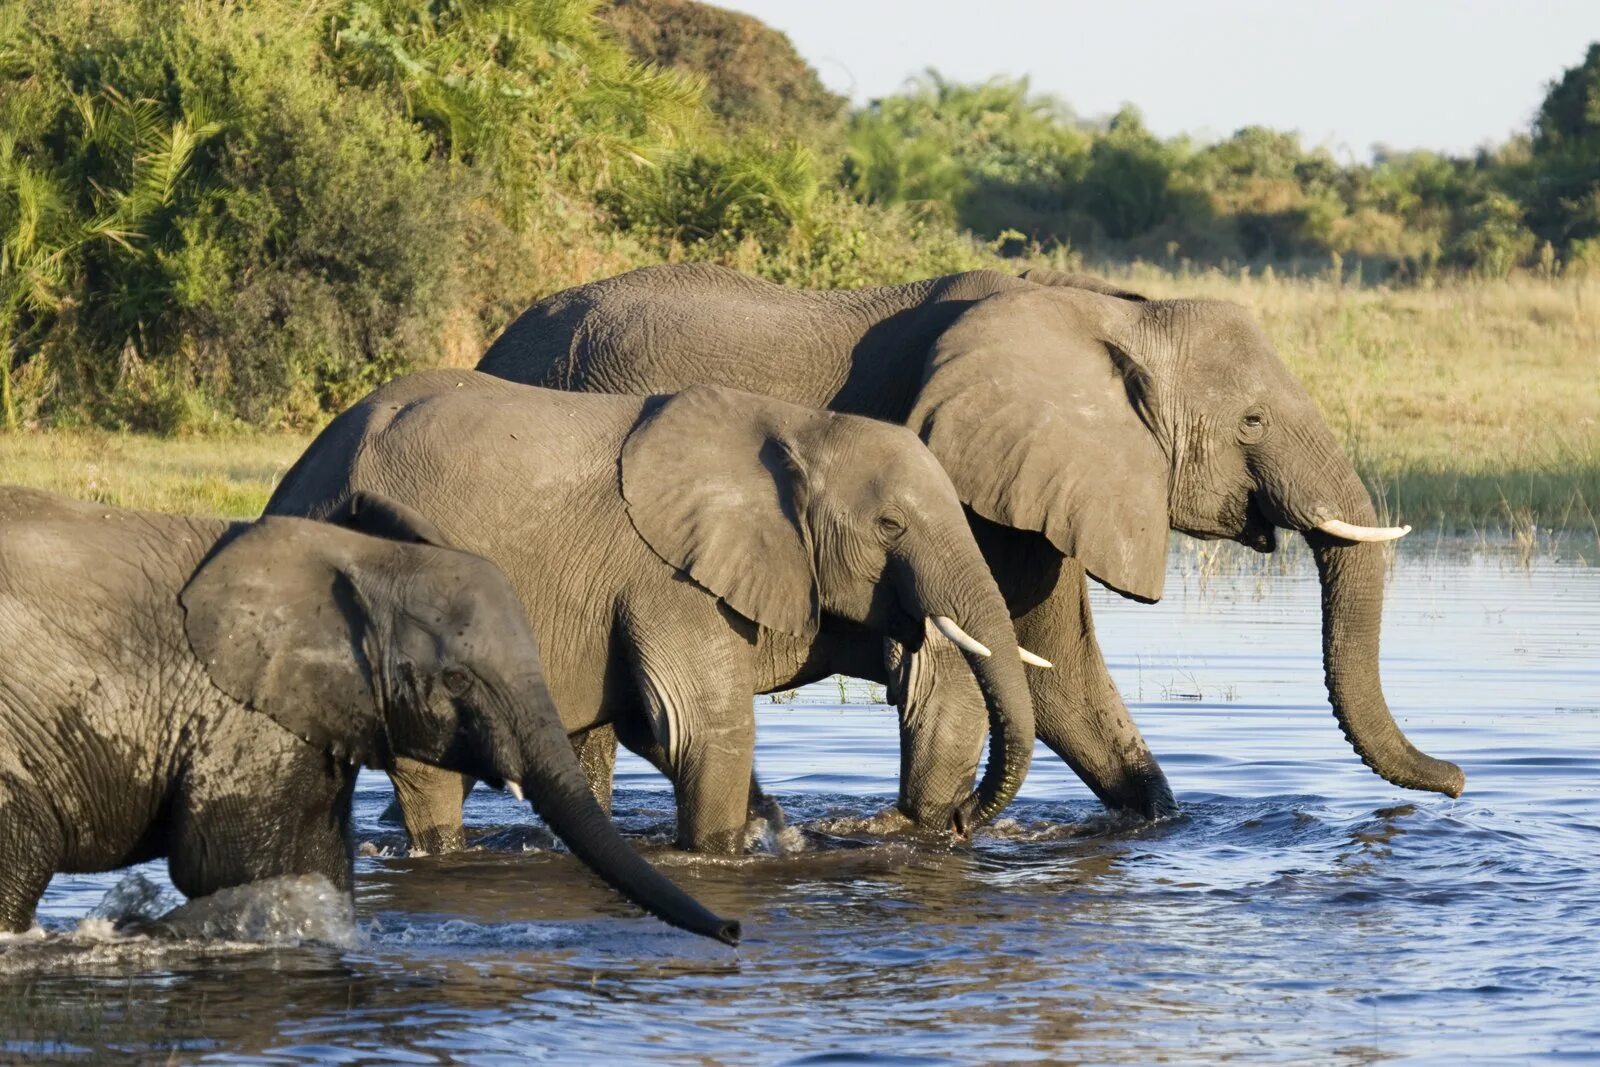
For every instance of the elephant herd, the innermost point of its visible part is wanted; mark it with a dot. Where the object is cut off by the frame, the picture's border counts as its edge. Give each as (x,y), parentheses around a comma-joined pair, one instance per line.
(656,496)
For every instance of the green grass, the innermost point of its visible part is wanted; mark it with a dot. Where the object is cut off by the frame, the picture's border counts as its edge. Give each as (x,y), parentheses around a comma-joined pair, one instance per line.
(232,475)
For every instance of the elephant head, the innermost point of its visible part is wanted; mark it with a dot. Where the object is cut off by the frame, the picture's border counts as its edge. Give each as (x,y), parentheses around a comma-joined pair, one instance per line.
(1102,420)
(376,641)
(786,512)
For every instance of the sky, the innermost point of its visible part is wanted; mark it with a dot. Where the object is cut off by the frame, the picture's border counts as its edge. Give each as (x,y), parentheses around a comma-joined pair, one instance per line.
(1448,75)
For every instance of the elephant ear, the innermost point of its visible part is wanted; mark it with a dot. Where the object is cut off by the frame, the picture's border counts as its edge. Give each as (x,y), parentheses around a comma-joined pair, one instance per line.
(281,627)
(370,513)
(1065,280)
(1044,423)
(714,484)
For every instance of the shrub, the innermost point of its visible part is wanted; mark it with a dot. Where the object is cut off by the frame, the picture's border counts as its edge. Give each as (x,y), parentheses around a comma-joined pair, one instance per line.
(259,210)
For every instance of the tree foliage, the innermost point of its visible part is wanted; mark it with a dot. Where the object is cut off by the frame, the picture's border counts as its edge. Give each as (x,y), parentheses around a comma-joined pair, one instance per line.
(254,210)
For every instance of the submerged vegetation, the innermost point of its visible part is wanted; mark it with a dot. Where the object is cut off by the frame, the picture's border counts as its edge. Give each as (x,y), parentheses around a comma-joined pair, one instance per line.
(237,217)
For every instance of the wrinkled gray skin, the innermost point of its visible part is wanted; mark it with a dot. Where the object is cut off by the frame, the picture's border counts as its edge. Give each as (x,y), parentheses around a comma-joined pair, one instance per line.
(1079,422)
(600,509)
(206,691)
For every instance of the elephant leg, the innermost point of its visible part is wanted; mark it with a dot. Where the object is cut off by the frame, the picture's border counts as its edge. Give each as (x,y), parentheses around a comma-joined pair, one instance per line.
(1077,708)
(296,822)
(762,808)
(29,854)
(701,717)
(943,722)
(597,755)
(713,767)
(430,802)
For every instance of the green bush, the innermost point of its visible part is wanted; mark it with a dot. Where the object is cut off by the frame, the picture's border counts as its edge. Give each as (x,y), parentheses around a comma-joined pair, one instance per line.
(257,211)
(720,193)
(252,211)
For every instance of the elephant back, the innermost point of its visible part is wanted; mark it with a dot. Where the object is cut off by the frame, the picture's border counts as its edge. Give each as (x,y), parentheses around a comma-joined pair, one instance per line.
(664,329)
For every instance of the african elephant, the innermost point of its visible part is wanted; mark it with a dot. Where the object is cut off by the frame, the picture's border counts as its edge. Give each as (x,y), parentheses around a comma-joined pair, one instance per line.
(206,691)
(677,554)
(1078,421)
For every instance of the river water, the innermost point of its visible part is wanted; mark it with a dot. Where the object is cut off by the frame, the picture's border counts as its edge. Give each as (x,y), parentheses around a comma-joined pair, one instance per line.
(1299,910)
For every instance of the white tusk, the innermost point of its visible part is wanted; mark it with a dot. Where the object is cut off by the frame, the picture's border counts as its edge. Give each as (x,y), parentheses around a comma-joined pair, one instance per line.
(515,789)
(1033,659)
(959,637)
(1362,534)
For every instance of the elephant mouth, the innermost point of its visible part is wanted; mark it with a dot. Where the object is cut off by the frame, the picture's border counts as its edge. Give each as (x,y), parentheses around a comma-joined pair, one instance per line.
(1257,531)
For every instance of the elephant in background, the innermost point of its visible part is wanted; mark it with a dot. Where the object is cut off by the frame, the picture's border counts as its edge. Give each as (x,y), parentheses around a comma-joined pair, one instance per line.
(677,554)
(206,691)
(1079,422)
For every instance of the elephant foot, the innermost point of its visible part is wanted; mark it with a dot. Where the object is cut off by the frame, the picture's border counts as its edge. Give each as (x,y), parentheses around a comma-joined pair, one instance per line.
(769,832)
(437,840)
(1140,794)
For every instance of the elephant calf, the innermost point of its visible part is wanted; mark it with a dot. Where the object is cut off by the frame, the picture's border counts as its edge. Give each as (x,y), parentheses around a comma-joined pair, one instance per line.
(205,691)
(677,554)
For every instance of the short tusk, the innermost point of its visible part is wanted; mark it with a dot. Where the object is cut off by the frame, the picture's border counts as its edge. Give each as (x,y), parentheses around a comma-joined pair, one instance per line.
(1033,659)
(515,789)
(1364,534)
(959,637)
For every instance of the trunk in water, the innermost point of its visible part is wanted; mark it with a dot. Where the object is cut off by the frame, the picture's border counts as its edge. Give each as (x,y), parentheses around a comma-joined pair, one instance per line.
(1011,730)
(981,611)
(554,784)
(1352,611)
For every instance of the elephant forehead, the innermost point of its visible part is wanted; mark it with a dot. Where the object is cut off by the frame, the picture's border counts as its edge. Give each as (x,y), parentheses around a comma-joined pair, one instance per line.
(1226,338)
(888,447)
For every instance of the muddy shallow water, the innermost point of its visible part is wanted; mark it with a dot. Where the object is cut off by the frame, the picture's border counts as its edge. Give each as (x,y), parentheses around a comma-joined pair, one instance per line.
(1300,909)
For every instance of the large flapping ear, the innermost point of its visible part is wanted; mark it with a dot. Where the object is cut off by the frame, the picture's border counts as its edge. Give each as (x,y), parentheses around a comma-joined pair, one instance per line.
(281,627)
(1045,423)
(370,513)
(714,484)
(1066,280)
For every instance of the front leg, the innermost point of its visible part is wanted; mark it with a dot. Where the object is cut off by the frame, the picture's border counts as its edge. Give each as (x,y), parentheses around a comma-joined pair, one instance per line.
(430,800)
(260,809)
(1077,709)
(763,811)
(30,852)
(695,690)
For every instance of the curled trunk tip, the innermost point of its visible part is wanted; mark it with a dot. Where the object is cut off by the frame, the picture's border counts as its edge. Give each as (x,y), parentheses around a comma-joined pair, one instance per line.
(1352,608)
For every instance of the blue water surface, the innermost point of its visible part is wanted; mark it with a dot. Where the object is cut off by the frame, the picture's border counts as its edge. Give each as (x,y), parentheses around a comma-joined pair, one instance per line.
(1299,910)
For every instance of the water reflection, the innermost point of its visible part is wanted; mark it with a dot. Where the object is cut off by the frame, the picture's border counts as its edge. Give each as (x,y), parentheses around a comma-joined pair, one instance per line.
(1299,909)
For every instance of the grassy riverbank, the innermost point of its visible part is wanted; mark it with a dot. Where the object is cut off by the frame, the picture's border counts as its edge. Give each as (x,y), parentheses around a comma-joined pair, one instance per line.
(227,475)
(1470,405)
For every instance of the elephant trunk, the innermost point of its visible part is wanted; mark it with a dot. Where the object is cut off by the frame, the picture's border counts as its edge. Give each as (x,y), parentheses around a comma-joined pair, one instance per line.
(973,604)
(1352,610)
(554,783)
(1351,573)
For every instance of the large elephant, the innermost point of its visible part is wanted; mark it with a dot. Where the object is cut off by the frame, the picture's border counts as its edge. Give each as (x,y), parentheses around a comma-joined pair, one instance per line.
(1078,421)
(206,691)
(601,509)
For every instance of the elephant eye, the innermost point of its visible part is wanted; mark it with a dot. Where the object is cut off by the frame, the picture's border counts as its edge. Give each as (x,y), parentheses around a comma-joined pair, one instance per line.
(1253,426)
(891,526)
(456,680)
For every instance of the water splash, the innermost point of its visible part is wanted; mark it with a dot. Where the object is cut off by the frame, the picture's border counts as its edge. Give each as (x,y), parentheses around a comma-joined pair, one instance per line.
(139,923)
(277,911)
